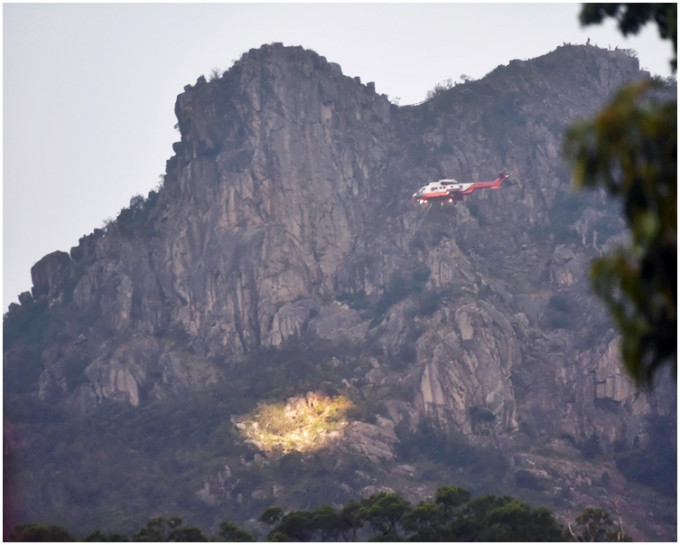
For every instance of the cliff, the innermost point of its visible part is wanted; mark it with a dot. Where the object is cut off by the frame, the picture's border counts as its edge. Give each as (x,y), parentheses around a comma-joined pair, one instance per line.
(282,254)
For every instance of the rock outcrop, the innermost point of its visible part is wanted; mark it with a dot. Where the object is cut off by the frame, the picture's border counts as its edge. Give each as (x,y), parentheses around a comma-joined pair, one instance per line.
(285,216)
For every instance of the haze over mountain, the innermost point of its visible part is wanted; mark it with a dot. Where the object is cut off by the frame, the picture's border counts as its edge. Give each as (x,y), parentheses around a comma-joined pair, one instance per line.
(168,362)
(94,78)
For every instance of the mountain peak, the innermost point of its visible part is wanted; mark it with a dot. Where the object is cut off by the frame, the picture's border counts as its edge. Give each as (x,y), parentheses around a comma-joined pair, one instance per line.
(283,255)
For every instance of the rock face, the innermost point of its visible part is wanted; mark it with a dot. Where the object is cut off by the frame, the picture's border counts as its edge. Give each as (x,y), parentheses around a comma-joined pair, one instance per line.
(285,215)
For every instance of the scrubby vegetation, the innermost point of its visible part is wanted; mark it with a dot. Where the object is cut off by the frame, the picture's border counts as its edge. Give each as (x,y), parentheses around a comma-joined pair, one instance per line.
(155,458)
(133,220)
(303,424)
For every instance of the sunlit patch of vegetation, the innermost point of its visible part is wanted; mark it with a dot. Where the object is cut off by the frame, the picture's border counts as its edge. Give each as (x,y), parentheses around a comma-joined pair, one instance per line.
(301,424)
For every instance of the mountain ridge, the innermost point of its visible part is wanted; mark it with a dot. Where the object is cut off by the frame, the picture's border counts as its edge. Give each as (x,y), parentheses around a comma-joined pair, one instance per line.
(284,224)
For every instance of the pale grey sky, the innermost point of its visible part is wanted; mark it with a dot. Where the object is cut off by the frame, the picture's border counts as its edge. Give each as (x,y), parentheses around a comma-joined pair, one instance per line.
(89,89)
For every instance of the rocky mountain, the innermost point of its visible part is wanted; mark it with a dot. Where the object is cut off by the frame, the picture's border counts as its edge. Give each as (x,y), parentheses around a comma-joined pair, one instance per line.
(281,270)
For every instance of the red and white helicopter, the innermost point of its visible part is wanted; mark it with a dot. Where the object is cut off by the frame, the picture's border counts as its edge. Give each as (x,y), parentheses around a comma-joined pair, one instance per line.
(450,190)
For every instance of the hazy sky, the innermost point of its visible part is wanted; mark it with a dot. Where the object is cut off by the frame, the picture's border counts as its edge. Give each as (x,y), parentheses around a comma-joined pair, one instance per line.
(89,89)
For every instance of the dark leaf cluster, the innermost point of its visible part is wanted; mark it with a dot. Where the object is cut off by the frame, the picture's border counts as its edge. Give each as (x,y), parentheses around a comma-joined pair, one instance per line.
(630,148)
(452,515)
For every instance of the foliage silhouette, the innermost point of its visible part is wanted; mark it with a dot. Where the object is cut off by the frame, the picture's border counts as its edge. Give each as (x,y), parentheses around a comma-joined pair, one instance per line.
(452,515)
(230,531)
(596,525)
(630,148)
(40,533)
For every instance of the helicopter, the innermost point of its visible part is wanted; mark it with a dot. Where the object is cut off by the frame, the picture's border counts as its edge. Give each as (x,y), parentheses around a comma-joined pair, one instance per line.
(450,190)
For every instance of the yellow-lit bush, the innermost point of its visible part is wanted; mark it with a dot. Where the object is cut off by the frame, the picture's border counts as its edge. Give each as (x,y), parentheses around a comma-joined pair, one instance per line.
(301,424)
